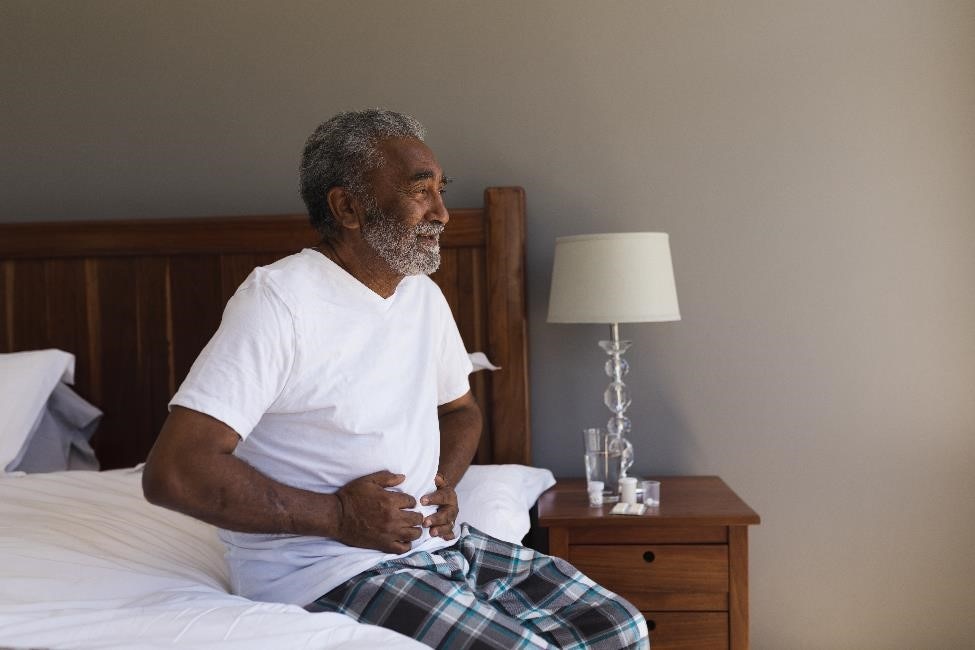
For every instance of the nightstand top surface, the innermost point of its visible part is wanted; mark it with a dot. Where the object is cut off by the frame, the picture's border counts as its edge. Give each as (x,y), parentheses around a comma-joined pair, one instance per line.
(684,500)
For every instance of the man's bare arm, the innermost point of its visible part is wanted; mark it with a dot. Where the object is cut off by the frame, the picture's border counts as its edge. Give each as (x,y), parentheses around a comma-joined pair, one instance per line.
(460,431)
(192,469)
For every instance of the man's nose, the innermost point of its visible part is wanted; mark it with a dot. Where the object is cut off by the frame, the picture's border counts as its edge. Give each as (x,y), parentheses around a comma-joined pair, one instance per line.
(438,210)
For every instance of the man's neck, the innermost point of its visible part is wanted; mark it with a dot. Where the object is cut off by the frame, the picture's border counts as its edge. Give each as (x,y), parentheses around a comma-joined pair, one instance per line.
(363,263)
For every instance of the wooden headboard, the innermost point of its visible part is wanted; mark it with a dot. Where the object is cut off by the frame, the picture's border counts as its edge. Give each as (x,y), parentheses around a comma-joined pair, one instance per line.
(136,300)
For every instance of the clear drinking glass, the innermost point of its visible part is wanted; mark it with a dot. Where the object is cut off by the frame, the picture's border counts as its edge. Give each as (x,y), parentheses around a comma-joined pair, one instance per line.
(603,462)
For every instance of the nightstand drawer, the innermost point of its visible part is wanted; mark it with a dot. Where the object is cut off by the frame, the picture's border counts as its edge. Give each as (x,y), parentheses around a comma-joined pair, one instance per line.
(649,535)
(659,577)
(688,630)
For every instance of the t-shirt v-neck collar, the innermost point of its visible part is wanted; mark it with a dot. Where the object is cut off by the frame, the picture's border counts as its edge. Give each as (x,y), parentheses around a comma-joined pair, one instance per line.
(363,295)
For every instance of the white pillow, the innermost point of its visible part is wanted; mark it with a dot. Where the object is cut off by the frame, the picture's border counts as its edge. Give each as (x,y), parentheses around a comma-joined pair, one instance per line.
(26,382)
(479,361)
(496,499)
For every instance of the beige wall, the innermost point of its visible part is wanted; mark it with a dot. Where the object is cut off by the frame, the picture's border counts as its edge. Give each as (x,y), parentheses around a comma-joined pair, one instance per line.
(812,161)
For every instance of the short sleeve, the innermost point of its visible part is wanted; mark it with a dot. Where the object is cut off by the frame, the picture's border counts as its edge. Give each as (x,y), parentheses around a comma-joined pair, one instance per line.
(455,365)
(246,365)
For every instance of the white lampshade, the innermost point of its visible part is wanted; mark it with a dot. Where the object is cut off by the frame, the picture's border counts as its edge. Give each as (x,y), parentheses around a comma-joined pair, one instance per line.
(613,278)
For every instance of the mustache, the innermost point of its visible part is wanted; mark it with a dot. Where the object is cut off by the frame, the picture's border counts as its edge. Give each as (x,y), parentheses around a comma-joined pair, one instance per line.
(427,228)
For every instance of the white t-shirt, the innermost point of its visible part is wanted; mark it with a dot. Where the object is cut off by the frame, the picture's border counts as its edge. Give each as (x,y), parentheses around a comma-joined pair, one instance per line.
(325,381)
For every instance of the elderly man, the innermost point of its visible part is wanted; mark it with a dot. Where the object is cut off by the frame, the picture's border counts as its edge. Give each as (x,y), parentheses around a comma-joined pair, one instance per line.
(325,424)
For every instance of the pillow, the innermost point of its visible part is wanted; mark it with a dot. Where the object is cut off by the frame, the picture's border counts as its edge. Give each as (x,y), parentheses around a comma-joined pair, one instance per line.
(496,499)
(60,439)
(26,382)
(479,361)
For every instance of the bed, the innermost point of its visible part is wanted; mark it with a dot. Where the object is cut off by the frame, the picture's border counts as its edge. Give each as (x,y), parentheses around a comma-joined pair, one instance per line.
(84,560)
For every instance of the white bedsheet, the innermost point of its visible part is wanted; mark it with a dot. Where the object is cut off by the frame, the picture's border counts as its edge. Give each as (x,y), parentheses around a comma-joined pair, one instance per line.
(86,562)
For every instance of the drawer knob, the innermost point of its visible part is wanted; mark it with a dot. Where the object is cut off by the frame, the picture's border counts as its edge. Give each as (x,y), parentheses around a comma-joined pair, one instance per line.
(649,556)
(651,624)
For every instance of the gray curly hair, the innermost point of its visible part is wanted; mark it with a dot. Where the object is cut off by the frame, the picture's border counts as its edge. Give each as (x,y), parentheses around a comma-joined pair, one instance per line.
(340,152)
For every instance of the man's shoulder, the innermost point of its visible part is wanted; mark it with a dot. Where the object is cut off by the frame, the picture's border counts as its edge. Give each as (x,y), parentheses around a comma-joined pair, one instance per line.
(296,265)
(288,276)
(280,285)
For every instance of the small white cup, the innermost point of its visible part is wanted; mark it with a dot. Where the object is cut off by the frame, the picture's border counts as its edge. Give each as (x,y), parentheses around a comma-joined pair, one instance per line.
(628,489)
(651,493)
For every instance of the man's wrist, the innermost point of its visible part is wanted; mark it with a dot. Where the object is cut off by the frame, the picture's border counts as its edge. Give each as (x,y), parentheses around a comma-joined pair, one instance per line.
(329,513)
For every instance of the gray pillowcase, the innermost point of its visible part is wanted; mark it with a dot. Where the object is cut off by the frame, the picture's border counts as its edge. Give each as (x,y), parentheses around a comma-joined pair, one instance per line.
(60,438)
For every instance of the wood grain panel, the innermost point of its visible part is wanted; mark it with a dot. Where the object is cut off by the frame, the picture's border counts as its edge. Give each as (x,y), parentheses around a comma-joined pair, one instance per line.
(205,235)
(196,307)
(471,323)
(738,557)
(66,295)
(93,325)
(641,568)
(118,314)
(507,324)
(29,321)
(470,298)
(153,344)
(6,305)
(558,541)
(651,535)
(677,601)
(688,630)
(465,228)
(446,279)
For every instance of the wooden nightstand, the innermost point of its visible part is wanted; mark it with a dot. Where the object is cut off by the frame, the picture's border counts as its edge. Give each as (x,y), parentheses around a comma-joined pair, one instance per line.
(684,565)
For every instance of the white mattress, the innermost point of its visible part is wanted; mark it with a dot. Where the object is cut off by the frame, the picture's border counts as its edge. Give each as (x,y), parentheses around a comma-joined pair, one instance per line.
(86,562)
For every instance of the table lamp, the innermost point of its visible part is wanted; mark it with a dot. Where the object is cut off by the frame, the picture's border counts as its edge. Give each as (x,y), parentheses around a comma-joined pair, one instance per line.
(613,279)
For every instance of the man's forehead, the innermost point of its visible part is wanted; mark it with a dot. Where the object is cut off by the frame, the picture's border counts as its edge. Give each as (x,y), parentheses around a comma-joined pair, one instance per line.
(409,159)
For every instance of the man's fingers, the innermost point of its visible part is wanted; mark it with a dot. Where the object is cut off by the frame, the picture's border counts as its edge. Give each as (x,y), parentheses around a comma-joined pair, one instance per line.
(401,501)
(396,547)
(442,497)
(443,517)
(401,542)
(410,534)
(446,532)
(409,518)
(385,478)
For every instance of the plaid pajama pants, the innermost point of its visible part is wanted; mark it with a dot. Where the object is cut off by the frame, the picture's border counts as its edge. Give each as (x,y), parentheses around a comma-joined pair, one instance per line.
(485,593)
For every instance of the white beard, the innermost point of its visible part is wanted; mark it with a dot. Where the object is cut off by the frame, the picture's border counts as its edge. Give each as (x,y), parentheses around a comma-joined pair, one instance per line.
(399,245)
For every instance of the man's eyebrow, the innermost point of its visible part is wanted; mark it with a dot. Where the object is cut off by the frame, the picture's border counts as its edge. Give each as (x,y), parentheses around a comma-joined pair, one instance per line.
(428,174)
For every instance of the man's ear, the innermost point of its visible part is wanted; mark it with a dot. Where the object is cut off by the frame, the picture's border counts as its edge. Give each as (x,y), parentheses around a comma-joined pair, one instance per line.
(345,207)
